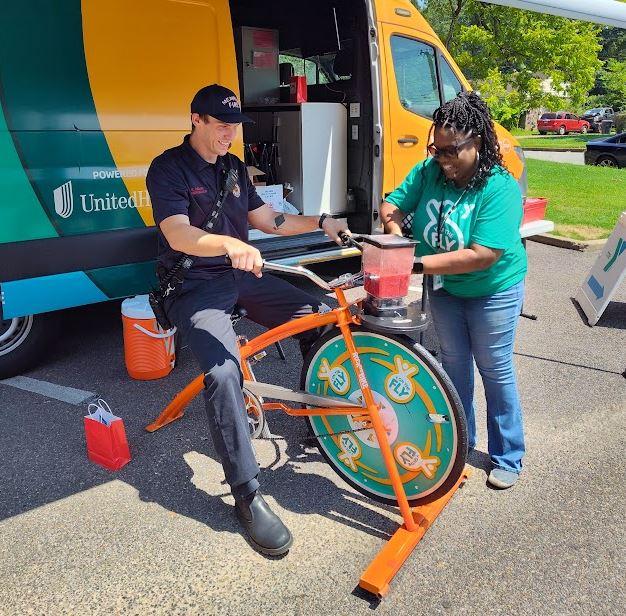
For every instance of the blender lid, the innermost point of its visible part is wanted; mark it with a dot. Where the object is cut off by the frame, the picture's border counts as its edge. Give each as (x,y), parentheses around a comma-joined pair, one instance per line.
(387,240)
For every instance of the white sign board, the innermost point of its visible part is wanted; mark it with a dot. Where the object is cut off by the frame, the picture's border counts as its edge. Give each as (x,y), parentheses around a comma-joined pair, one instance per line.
(606,274)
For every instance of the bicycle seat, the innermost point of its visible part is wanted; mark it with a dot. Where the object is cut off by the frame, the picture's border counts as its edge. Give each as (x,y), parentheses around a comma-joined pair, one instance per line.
(239,312)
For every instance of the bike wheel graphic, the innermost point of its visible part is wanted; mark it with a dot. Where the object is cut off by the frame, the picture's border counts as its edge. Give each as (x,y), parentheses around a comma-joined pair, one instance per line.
(419,406)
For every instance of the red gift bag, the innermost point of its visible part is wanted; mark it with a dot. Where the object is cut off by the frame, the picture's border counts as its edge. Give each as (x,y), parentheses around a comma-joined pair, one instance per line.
(106,437)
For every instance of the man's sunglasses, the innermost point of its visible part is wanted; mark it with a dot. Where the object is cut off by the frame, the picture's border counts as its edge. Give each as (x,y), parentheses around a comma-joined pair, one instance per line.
(449,152)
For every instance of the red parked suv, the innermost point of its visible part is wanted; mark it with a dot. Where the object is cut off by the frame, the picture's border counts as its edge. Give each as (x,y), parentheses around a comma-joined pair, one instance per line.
(562,123)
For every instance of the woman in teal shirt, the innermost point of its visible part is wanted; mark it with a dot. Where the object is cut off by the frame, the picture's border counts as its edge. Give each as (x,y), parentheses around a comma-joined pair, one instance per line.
(467,210)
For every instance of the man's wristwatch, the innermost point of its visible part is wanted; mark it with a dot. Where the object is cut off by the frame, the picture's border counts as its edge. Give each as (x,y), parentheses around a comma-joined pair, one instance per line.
(418,266)
(320,222)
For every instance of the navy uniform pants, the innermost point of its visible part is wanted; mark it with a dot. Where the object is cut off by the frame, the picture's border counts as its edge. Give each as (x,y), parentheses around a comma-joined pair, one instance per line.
(202,312)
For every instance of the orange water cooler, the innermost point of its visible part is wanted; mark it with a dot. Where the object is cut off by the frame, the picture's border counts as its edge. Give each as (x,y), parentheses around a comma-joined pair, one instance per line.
(149,351)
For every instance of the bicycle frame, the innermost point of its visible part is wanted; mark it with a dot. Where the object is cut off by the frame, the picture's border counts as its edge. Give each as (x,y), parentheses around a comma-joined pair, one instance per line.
(343,318)
(376,578)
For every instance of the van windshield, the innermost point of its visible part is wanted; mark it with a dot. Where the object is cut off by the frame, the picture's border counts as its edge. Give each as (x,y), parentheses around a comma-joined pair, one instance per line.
(594,111)
(318,69)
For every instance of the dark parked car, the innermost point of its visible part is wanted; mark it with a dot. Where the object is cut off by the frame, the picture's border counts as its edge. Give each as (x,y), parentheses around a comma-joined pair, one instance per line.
(609,152)
(562,123)
(596,116)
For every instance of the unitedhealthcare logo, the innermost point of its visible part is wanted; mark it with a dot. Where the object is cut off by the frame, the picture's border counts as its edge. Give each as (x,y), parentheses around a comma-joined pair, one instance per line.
(64,201)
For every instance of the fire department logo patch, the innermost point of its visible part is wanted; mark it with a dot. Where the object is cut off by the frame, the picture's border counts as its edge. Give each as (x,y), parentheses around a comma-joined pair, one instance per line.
(237,191)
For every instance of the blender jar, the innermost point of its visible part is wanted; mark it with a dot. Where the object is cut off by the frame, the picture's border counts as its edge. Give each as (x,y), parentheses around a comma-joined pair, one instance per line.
(387,266)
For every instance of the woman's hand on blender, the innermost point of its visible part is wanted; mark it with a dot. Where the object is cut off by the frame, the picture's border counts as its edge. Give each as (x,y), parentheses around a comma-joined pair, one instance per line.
(334,227)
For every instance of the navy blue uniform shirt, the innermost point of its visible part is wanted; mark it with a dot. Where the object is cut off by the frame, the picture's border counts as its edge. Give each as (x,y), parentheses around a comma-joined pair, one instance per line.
(181,172)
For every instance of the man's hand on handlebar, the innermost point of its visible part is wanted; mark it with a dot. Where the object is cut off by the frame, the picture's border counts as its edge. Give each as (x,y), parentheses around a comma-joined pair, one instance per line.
(243,256)
(333,227)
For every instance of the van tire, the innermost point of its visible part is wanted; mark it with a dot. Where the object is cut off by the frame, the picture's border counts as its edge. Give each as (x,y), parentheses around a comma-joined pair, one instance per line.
(24,341)
(562,130)
(543,132)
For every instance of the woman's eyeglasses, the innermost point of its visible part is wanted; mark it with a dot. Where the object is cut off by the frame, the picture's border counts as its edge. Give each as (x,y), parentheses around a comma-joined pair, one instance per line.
(449,152)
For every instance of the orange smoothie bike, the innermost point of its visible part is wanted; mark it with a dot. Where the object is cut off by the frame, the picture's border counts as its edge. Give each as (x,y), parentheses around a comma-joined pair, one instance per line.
(383,412)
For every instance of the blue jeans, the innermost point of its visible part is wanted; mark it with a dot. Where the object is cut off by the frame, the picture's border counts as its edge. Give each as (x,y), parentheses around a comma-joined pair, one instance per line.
(483,329)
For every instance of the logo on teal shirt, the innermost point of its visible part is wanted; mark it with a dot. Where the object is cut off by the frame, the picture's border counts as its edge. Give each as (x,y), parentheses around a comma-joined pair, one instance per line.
(452,236)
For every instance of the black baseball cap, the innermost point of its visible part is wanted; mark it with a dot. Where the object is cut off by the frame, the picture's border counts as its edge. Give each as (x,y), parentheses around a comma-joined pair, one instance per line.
(220,103)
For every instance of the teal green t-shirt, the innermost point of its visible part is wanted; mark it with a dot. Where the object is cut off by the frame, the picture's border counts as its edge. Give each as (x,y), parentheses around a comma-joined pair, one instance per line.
(489,216)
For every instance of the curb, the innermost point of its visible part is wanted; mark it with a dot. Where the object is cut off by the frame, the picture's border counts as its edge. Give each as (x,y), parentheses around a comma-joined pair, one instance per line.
(551,150)
(571,244)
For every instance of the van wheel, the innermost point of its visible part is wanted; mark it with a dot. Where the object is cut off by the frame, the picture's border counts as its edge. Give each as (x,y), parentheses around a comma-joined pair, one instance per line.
(583,130)
(562,130)
(24,340)
(543,132)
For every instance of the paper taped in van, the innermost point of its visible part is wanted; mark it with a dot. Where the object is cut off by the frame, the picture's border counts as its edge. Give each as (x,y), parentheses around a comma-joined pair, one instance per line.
(273,196)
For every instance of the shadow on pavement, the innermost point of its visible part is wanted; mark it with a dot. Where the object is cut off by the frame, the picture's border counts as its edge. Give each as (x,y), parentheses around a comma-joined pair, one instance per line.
(44,445)
(565,363)
(613,317)
(160,474)
(479,460)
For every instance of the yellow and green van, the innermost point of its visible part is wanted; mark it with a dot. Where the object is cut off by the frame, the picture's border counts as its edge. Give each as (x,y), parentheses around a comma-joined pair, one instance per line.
(92,90)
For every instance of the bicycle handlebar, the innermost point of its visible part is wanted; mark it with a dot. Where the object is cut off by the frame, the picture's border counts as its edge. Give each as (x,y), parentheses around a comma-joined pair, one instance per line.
(348,240)
(298,270)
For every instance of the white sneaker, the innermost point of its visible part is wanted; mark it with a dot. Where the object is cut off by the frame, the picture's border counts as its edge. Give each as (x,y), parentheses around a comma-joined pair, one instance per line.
(499,478)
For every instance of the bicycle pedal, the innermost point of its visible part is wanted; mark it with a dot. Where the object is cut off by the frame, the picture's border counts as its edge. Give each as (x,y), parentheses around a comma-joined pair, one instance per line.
(255,359)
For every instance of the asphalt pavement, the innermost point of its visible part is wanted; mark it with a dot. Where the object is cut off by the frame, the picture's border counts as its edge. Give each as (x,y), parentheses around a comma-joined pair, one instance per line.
(159,536)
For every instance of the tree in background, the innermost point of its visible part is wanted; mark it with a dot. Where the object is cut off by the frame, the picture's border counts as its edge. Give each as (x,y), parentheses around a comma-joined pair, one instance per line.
(511,56)
(444,16)
(613,78)
(610,86)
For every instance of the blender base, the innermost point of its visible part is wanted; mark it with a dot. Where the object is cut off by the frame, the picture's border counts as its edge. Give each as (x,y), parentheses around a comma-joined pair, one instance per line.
(413,320)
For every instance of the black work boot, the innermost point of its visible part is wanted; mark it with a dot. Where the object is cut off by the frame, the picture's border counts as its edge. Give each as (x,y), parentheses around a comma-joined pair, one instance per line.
(265,530)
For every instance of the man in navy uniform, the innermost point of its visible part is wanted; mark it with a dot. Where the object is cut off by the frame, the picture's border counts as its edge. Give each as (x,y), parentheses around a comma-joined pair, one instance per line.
(184,183)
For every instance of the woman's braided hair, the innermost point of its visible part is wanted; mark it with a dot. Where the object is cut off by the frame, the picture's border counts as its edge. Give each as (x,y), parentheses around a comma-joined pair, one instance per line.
(468,113)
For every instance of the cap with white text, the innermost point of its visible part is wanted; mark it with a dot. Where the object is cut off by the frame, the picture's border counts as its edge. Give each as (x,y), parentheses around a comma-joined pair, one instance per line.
(220,103)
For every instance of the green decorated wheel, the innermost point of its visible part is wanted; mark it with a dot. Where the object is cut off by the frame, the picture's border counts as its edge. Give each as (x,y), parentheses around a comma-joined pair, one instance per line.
(420,409)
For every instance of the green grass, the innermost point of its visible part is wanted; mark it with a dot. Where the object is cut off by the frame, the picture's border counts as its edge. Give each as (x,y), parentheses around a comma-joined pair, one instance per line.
(520,132)
(584,202)
(553,142)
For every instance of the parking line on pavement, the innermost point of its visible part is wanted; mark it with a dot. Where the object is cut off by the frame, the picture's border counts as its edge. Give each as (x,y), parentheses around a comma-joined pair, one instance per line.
(50,390)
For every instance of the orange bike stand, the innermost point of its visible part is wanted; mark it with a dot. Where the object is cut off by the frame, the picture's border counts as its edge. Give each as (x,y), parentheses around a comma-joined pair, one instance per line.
(388,561)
